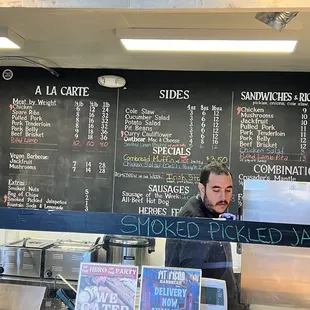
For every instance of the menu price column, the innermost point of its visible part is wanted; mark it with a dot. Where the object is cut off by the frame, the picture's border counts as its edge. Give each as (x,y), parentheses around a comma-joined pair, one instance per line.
(104,129)
(303,134)
(78,105)
(91,121)
(204,118)
(212,130)
(92,155)
(216,125)
(191,125)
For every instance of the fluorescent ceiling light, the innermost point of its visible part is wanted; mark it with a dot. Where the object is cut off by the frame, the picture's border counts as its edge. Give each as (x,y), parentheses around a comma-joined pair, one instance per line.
(10,39)
(7,43)
(262,46)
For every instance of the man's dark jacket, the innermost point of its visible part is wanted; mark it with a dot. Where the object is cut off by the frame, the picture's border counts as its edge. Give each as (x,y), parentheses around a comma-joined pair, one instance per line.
(213,258)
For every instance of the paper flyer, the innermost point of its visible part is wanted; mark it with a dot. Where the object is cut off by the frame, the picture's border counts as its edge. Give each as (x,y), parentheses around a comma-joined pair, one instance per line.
(164,288)
(106,287)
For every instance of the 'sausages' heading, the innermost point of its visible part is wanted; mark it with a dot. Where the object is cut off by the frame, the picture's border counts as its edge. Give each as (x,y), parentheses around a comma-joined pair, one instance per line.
(69,91)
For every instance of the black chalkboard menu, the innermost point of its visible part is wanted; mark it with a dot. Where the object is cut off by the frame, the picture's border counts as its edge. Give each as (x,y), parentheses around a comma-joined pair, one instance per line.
(57,142)
(68,143)
(166,133)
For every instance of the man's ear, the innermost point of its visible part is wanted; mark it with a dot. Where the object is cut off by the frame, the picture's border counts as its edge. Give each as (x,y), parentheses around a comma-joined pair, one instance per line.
(202,189)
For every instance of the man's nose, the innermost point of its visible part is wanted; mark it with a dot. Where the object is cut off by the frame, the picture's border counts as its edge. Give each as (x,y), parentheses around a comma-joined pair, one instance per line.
(222,195)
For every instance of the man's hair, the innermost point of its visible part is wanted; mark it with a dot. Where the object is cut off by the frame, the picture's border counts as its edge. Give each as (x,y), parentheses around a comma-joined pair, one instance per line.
(213,167)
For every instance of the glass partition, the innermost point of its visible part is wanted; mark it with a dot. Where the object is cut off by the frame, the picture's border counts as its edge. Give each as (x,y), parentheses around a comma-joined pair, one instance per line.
(259,276)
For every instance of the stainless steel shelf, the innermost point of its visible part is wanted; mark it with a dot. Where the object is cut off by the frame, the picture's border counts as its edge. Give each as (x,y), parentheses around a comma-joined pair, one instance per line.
(50,283)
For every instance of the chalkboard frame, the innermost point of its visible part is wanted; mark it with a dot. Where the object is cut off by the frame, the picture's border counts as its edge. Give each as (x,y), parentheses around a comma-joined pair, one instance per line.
(246,232)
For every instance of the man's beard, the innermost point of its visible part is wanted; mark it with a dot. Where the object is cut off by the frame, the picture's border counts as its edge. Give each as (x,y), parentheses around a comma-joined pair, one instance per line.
(211,207)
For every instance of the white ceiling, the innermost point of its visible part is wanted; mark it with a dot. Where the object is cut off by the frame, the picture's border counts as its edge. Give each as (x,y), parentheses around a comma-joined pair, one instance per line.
(86,39)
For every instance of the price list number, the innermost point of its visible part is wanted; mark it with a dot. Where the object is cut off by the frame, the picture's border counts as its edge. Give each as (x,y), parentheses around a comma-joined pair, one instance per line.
(78,106)
(74,166)
(104,128)
(87,166)
(191,110)
(81,168)
(86,199)
(203,110)
(216,127)
(102,168)
(221,159)
(303,134)
(91,121)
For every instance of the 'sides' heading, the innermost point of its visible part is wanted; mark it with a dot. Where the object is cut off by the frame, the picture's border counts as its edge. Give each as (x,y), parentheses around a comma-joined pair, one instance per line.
(178,94)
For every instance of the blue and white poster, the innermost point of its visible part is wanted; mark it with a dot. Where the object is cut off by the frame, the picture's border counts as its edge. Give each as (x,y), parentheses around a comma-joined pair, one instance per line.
(170,288)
